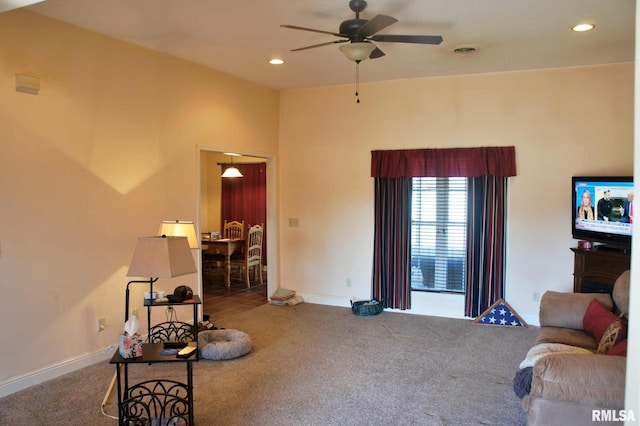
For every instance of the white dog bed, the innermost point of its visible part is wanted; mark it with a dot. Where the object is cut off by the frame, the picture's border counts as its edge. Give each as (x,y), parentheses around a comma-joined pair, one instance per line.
(223,344)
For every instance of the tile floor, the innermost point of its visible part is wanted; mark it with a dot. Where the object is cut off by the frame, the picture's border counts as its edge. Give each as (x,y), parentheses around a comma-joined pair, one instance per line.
(217,300)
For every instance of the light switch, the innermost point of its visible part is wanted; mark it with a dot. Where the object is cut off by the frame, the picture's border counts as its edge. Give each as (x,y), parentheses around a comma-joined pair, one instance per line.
(293,222)
(27,84)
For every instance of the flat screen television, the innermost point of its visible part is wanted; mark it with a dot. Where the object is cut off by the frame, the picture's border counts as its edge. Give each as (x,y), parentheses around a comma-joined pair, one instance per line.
(601,210)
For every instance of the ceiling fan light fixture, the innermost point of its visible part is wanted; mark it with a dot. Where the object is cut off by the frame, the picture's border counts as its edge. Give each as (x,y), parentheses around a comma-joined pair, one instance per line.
(357,51)
(276,61)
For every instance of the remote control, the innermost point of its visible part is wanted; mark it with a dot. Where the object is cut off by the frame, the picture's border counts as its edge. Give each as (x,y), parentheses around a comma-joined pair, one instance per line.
(187,352)
(178,345)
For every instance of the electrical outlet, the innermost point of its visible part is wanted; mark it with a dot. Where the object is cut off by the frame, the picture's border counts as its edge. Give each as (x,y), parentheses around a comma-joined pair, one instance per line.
(109,349)
(349,282)
(102,323)
(536,296)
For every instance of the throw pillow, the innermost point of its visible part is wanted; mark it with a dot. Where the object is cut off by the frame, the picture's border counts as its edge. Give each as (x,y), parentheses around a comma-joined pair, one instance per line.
(619,349)
(596,319)
(614,333)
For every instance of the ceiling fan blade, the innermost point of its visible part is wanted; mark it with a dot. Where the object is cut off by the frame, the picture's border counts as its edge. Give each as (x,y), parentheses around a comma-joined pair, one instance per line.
(294,27)
(378,23)
(424,39)
(377,53)
(319,45)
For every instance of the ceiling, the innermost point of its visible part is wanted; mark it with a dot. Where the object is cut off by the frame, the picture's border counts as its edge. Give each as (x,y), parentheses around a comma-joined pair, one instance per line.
(239,37)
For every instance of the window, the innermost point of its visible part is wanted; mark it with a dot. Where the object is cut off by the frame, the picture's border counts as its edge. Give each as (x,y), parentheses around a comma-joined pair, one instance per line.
(438,234)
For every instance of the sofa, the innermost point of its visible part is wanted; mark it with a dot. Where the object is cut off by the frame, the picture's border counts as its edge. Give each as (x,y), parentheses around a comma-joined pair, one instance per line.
(576,369)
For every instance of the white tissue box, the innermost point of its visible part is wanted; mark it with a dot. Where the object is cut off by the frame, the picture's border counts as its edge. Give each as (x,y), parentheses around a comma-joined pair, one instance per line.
(130,346)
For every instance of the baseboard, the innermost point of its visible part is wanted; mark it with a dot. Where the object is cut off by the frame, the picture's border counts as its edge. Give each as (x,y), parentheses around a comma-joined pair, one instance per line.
(446,312)
(437,309)
(321,299)
(24,381)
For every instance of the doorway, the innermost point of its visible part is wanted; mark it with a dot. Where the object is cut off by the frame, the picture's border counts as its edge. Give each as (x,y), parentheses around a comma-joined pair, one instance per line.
(218,300)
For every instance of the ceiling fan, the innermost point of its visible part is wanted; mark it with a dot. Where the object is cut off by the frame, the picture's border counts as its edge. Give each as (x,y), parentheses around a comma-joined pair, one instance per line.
(360,33)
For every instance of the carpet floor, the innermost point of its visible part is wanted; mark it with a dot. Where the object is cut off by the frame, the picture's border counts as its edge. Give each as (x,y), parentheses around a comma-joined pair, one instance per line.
(320,365)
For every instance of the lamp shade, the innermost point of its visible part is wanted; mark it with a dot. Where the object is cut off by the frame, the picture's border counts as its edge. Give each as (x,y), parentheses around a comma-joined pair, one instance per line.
(161,257)
(179,228)
(231,172)
(358,51)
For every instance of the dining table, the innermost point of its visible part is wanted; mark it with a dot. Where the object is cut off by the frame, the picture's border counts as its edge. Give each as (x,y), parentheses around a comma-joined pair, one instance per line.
(226,247)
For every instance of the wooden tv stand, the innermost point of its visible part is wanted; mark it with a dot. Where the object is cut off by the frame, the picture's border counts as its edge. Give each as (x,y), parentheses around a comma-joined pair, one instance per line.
(600,265)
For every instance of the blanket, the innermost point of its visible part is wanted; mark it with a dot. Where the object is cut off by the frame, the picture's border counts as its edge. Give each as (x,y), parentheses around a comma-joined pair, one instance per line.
(522,382)
(524,376)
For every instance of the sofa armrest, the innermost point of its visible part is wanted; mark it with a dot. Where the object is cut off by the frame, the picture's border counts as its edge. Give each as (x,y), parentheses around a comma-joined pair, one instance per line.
(567,309)
(594,380)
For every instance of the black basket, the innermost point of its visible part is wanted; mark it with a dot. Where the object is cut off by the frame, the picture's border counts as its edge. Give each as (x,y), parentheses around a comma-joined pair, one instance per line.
(366,307)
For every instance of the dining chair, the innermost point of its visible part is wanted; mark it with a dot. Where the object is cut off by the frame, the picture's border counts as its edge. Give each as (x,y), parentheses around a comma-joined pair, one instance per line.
(252,256)
(233,229)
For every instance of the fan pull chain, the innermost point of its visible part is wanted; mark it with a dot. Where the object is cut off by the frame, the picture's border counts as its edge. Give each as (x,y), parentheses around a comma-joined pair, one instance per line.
(357,82)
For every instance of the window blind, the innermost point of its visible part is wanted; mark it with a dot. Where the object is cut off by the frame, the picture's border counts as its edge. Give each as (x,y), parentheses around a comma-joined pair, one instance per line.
(438,233)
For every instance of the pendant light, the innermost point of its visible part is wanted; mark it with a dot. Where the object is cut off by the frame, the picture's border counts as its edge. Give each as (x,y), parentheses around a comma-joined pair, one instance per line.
(231,172)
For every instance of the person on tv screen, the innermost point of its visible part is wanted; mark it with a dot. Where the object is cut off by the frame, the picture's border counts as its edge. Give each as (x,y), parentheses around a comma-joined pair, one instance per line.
(627,209)
(585,211)
(605,206)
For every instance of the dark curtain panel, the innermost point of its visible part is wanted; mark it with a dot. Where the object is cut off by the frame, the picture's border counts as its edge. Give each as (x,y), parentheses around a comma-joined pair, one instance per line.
(486,239)
(245,198)
(392,243)
(486,226)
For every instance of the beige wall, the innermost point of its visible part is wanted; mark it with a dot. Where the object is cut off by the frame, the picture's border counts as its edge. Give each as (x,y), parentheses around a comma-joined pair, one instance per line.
(562,122)
(105,152)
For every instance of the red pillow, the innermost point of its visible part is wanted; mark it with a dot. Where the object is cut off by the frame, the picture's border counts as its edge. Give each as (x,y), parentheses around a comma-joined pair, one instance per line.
(619,349)
(597,318)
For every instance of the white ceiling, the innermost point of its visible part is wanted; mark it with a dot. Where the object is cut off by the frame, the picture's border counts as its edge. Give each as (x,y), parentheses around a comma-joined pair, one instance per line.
(14,4)
(239,37)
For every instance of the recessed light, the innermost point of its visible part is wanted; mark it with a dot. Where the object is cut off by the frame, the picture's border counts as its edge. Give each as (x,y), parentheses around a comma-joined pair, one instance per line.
(276,61)
(583,27)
